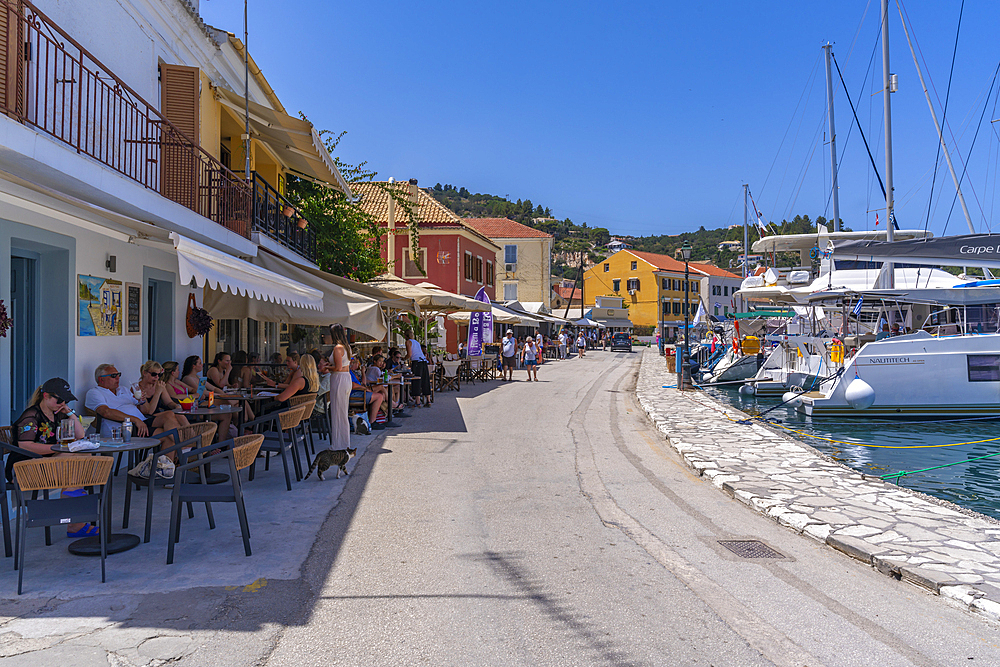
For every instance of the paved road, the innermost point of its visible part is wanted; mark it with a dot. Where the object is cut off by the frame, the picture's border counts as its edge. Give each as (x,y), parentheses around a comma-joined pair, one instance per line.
(547,523)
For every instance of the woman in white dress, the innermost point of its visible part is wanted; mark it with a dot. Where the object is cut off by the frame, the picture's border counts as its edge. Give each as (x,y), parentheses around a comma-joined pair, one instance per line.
(340,388)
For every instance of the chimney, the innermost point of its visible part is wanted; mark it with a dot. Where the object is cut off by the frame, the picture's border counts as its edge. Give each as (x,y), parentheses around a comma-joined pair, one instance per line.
(413,194)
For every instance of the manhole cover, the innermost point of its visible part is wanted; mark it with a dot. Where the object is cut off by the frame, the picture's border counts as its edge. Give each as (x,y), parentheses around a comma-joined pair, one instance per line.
(750,549)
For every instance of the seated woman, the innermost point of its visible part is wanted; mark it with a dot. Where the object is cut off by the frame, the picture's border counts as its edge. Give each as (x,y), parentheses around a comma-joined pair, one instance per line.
(374,376)
(155,401)
(242,374)
(191,376)
(360,388)
(36,429)
(292,366)
(171,378)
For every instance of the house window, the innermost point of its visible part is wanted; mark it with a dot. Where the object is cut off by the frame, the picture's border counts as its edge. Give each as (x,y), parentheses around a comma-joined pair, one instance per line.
(716,310)
(616,284)
(695,286)
(510,254)
(677,286)
(510,291)
(664,283)
(635,265)
(468,266)
(607,267)
(415,269)
(632,284)
(666,308)
(677,307)
(725,310)
(479,270)
(725,290)
(490,274)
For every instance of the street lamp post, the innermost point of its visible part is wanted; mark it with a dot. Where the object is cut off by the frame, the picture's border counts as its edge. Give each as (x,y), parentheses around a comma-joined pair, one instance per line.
(686,252)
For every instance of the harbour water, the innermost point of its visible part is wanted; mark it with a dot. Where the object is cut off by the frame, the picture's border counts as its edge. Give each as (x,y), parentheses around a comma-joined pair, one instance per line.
(880,447)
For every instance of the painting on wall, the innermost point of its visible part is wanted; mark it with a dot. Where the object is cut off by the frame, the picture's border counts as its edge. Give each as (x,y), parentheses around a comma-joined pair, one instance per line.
(100,306)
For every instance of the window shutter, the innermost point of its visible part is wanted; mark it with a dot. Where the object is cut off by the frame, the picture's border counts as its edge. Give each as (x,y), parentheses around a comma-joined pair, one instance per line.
(180,103)
(12,59)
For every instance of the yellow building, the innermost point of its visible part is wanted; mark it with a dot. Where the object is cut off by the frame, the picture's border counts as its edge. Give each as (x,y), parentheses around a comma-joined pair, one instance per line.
(652,287)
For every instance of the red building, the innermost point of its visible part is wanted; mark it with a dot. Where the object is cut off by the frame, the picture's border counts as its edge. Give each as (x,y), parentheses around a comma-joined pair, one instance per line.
(451,254)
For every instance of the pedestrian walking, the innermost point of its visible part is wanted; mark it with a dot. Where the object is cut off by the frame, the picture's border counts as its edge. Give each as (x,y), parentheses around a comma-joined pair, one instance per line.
(340,388)
(508,355)
(563,340)
(529,357)
(540,344)
(581,345)
(421,387)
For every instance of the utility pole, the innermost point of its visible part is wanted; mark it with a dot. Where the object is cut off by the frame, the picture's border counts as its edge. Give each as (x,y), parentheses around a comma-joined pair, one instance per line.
(828,49)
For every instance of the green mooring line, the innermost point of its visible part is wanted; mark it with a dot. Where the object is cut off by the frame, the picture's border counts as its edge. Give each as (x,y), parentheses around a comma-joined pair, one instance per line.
(897,475)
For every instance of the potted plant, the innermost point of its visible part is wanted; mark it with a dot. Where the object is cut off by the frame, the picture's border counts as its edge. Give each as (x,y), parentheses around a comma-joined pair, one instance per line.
(303,223)
(288,211)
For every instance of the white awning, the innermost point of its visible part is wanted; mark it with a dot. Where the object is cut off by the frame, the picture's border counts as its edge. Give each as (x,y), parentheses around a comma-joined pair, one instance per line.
(207,266)
(294,141)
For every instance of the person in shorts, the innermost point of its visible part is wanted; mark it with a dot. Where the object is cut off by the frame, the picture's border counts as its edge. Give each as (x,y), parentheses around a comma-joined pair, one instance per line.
(508,355)
(529,358)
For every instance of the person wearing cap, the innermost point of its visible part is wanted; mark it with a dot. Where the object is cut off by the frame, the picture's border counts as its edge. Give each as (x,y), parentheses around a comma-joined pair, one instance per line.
(36,431)
(508,354)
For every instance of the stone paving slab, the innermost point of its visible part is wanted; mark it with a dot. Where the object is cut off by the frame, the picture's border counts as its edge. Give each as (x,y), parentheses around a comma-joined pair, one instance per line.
(904,534)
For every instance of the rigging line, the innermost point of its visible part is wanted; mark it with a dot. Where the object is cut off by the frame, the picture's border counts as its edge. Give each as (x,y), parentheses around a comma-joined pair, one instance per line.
(850,49)
(856,120)
(791,120)
(805,168)
(965,168)
(944,115)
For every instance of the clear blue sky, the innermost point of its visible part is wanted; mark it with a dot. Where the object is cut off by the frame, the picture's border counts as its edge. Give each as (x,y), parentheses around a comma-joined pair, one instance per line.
(643,117)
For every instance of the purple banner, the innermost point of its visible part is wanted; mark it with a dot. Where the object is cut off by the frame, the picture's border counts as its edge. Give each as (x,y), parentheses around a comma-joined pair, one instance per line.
(480,327)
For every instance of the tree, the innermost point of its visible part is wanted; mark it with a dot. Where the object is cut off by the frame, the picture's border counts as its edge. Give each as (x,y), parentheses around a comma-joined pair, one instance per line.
(348,239)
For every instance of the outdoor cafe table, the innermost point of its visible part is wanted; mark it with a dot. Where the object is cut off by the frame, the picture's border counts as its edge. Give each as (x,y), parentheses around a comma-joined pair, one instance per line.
(91,546)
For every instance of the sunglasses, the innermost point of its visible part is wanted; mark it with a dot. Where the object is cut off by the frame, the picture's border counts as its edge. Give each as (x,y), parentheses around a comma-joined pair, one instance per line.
(152,374)
(112,375)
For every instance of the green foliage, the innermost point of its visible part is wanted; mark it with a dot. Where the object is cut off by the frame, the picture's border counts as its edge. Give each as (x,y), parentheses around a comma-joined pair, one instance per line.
(347,238)
(643,329)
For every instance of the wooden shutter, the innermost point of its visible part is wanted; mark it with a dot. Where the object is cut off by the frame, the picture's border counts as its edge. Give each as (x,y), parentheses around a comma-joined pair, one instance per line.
(12,59)
(180,104)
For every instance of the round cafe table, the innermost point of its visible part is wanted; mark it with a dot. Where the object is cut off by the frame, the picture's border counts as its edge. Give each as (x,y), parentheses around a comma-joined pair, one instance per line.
(117,542)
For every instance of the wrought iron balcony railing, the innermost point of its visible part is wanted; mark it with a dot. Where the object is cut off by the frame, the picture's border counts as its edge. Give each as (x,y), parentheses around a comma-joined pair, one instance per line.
(50,82)
(277,217)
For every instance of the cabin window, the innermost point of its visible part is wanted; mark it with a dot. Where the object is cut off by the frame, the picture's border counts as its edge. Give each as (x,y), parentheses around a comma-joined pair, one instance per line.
(984,367)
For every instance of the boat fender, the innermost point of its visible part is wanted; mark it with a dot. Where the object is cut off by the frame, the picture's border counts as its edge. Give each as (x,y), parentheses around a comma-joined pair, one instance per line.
(748,390)
(859,394)
(791,399)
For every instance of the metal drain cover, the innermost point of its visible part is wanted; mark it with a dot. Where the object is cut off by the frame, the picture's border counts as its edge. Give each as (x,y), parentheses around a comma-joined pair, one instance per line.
(750,549)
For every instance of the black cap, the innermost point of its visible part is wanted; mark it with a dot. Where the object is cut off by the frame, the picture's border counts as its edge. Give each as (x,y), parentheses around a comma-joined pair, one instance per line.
(59,388)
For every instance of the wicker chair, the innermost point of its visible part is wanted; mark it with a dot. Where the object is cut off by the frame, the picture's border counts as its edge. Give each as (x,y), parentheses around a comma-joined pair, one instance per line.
(240,454)
(59,473)
(194,435)
(7,447)
(280,429)
(306,425)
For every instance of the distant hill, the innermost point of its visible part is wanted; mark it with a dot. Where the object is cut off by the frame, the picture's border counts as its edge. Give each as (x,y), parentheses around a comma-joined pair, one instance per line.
(571,238)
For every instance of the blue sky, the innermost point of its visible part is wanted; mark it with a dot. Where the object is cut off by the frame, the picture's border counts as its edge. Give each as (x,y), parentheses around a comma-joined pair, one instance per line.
(642,117)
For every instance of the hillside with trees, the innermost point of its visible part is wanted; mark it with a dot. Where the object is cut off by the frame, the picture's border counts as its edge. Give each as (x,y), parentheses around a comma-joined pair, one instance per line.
(571,238)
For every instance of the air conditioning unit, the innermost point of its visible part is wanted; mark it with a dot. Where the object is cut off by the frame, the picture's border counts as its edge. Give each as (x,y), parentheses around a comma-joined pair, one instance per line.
(631,291)
(510,268)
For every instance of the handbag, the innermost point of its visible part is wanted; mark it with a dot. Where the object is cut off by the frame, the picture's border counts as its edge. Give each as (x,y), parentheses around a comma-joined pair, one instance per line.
(165,468)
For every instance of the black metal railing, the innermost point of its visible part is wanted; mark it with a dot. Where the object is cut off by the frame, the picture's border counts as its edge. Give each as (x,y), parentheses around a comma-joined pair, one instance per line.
(277,217)
(50,82)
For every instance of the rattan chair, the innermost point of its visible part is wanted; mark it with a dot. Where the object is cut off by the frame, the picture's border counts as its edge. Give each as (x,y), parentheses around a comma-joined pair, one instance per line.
(240,454)
(194,435)
(306,425)
(7,447)
(281,432)
(59,473)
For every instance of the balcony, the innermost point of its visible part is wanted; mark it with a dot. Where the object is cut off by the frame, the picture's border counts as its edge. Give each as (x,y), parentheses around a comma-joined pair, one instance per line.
(276,217)
(51,83)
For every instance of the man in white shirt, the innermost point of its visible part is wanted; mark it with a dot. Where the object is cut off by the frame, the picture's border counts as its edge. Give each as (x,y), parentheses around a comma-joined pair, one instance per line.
(540,345)
(563,338)
(113,404)
(508,353)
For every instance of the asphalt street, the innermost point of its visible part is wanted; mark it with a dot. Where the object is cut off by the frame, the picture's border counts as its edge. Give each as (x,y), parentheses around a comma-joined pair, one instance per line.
(549,524)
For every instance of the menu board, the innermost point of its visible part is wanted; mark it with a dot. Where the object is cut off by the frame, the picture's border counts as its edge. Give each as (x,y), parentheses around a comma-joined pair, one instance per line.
(133,309)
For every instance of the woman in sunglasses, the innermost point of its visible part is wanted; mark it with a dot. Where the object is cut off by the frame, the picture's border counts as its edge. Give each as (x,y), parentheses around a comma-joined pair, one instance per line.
(155,401)
(36,430)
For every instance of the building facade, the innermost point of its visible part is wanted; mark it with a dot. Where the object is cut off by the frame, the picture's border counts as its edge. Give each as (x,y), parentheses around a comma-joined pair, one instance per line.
(653,288)
(116,155)
(524,261)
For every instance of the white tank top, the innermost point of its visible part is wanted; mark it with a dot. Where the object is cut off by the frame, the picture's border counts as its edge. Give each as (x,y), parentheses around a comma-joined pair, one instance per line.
(417,353)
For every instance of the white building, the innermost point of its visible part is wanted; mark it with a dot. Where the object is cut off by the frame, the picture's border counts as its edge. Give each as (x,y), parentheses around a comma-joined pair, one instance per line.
(117,169)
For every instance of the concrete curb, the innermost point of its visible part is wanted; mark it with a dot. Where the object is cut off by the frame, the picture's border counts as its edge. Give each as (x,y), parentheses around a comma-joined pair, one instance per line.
(884,557)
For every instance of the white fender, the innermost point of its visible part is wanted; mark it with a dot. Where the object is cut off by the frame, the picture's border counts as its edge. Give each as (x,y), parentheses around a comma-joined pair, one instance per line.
(859,394)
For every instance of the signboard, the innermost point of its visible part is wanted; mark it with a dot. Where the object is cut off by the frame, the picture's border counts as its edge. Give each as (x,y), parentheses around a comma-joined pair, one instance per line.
(133,309)
(480,327)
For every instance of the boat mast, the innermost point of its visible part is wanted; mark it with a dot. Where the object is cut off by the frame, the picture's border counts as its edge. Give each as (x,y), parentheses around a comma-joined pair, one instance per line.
(746,240)
(890,217)
(828,48)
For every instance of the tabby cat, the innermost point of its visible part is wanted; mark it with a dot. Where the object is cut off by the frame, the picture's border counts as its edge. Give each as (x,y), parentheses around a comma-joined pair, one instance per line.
(331,457)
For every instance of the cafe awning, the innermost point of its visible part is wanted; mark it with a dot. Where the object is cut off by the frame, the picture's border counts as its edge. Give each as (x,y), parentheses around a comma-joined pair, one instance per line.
(340,305)
(430,298)
(214,269)
(501,315)
(295,142)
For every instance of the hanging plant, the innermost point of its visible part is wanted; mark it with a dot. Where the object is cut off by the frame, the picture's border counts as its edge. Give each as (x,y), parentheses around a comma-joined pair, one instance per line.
(198,321)
(5,322)
(303,223)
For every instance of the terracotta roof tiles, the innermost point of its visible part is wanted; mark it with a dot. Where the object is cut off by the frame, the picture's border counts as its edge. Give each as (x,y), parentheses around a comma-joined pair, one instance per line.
(504,228)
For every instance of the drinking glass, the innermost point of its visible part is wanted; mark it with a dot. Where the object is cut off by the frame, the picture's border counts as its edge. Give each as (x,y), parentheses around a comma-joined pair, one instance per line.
(116,434)
(66,431)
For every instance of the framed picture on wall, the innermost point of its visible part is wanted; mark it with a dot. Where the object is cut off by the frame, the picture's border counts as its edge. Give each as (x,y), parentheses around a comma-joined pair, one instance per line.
(133,309)
(99,304)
